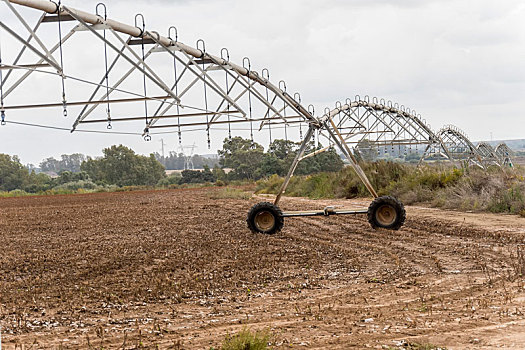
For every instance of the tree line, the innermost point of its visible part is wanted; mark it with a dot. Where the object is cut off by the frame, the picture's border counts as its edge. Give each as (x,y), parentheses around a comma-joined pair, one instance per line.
(72,162)
(120,166)
(177,161)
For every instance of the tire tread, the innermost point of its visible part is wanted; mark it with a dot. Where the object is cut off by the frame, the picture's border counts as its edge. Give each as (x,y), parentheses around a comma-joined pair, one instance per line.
(389,200)
(276,211)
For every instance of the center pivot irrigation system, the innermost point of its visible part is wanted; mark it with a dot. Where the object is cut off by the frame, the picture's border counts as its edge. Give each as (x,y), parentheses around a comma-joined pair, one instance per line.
(159,85)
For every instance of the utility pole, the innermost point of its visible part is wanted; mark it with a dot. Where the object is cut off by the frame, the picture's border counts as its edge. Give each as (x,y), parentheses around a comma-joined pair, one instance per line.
(188,156)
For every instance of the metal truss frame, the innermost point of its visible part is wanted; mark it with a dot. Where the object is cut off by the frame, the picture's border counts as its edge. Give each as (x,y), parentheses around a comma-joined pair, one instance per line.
(379,123)
(460,148)
(488,154)
(190,58)
(504,154)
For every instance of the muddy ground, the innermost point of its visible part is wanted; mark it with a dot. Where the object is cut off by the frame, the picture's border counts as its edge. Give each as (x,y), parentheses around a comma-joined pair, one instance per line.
(179,269)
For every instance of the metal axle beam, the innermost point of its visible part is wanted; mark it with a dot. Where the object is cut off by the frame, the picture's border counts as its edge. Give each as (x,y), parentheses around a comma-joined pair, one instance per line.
(325,212)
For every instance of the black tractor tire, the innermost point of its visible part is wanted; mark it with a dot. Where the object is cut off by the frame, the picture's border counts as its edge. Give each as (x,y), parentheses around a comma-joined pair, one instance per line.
(386,212)
(265,217)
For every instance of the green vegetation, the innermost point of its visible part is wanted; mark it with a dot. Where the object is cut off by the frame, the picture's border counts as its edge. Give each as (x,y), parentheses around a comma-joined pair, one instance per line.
(170,181)
(243,156)
(247,340)
(13,175)
(119,167)
(495,190)
(16,180)
(248,160)
(196,176)
(67,162)
(122,167)
(177,161)
(230,193)
(342,184)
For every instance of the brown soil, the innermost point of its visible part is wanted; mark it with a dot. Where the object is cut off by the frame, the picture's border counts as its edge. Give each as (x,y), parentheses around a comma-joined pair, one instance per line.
(178,269)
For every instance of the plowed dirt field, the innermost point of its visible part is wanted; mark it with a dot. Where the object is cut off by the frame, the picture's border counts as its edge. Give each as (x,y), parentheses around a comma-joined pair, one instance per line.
(179,269)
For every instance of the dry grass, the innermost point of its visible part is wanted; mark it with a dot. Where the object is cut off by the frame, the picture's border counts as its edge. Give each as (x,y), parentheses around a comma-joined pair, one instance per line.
(230,193)
(247,340)
(495,190)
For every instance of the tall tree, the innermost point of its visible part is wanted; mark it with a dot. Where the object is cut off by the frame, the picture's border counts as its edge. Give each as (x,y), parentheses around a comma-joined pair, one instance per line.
(67,162)
(244,156)
(13,175)
(122,167)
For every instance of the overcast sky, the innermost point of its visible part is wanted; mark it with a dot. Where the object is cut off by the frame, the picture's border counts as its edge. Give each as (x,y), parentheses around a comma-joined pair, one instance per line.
(455,62)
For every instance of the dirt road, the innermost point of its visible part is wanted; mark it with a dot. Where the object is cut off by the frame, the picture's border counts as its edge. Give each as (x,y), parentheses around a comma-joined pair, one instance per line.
(179,269)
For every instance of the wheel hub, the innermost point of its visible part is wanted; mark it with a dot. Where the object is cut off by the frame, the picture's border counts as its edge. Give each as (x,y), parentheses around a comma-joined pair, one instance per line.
(386,215)
(264,221)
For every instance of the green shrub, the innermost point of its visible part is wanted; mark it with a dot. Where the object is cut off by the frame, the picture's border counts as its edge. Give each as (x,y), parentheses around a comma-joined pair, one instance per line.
(230,193)
(197,176)
(121,166)
(14,193)
(173,179)
(314,186)
(77,185)
(271,184)
(247,340)
(511,200)
(133,188)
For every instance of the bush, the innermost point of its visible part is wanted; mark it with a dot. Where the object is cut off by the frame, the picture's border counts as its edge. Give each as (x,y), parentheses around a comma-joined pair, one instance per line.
(269,185)
(14,193)
(423,184)
(76,185)
(173,179)
(511,200)
(133,188)
(344,183)
(322,185)
(68,177)
(197,176)
(247,340)
(495,189)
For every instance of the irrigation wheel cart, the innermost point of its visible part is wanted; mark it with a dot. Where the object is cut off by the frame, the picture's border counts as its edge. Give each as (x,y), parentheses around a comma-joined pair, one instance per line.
(384,212)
